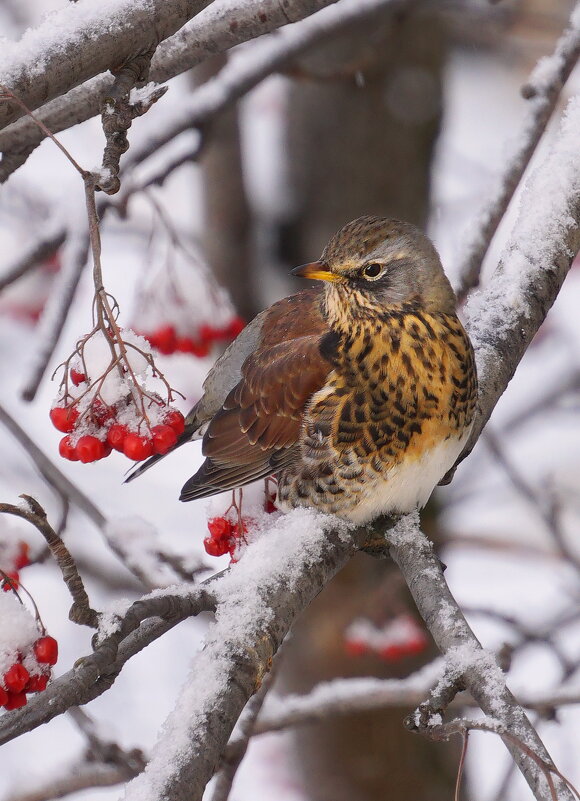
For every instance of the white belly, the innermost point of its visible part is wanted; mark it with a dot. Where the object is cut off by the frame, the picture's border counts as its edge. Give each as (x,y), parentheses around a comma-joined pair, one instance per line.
(408,485)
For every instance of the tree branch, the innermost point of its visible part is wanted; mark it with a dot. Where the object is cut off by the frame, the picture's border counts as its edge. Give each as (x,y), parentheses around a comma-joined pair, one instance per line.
(243,73)
(81,611)
(468,666)
(49,60)
(213,31)
(543,89)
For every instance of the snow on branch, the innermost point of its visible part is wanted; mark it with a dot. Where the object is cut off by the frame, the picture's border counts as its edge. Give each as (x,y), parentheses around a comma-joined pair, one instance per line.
(82,40)
(245,70)
(503,318)
(542,90)
(213,31)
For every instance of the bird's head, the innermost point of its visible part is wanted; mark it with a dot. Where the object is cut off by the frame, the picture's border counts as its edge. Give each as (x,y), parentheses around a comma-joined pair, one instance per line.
(376,262)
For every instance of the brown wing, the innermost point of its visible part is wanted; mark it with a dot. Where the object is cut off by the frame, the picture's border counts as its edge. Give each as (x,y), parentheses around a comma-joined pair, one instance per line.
(255,432)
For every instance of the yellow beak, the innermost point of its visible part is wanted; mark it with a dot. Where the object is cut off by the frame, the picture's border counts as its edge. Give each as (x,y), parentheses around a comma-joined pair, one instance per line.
(313,271)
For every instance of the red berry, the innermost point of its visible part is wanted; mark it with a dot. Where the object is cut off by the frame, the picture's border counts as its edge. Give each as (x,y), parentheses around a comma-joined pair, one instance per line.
(220,528)
(90,449)
(356,647)
(67,450)
(164,339)
(215,547)
(36,684)
(137,447)
(184,345)
(46,650)
(164,438)
(415,645)
(234,327)
(116,436)
(3,696)
(392,653)
(22,559)
(16,678)
(176,420)
(15,700)
(200,349)
(64,418)
(10,580)
(101,413)
(76,377)
(207,333)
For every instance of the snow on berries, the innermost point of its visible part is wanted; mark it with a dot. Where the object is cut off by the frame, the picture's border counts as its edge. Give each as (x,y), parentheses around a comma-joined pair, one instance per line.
(400,637)
(109,400)
(27,653)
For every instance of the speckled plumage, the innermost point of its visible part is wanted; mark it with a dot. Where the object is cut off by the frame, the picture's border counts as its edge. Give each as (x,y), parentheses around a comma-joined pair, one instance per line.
(358,397)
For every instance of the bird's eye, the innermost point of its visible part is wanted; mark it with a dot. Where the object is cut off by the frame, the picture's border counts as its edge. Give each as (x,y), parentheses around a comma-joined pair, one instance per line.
(372,270)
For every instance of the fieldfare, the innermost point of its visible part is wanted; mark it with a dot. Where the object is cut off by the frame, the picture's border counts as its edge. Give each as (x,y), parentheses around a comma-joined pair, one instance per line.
(358,395)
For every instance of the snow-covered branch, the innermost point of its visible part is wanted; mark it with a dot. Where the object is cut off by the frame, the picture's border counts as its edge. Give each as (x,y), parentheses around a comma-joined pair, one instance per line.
(246,70)
(82,40)
(468,666)
(542,90)
(215,30)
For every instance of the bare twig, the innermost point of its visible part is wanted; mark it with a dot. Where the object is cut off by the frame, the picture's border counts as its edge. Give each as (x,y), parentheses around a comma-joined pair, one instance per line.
(81,611)
(543,89)
(50,472)
(145,621)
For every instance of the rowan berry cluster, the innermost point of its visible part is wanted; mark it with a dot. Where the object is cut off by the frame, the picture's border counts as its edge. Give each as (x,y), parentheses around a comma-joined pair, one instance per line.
(167,340)
(399,638)
(228,531)
(224,536)
(27,654)
(104,403)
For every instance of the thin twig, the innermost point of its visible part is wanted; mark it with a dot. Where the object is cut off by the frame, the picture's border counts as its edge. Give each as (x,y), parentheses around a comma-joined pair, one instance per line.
(81,611)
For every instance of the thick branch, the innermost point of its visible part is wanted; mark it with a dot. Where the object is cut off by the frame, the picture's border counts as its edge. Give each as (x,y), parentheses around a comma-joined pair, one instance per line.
(213,31)
(543,90)
(243,73)
(73,45)
(469,666)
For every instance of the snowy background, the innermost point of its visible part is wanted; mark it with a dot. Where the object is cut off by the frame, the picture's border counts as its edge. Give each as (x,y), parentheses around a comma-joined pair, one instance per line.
(482,109)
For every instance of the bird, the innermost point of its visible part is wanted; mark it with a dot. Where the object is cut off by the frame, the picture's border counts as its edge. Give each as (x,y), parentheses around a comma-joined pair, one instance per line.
(358,393)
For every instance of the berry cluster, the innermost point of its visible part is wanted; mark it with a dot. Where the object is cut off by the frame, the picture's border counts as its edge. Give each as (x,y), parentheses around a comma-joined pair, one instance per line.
(113,435)
(224,536)
(401,637)
(19,680)
(167,340)
(104,404)
(9,574)
(27,652)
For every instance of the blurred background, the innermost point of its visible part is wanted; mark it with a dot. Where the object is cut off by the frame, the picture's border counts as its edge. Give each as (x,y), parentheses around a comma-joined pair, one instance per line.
(412,117)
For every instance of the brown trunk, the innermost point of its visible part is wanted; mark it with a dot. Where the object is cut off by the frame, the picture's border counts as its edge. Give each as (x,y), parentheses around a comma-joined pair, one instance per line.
(226,236)
(363,118)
